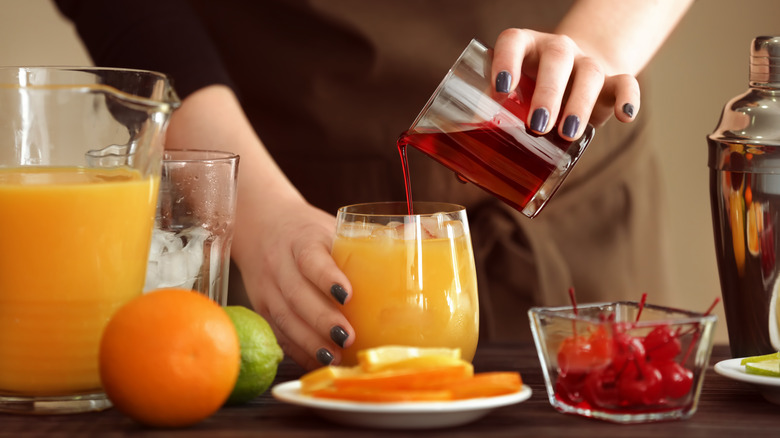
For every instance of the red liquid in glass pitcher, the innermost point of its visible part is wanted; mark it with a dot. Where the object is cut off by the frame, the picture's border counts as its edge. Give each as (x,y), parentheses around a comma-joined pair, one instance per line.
(500,155)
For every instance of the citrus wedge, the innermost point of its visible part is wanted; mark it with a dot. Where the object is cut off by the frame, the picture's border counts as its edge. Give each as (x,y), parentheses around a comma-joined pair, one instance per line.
(399,357)
(407,379)
(769,368)
(761,358)
(488,384)
(324,377)
(383,396)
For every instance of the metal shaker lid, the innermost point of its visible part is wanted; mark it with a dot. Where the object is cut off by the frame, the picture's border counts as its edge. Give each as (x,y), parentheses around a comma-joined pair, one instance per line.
(765,61)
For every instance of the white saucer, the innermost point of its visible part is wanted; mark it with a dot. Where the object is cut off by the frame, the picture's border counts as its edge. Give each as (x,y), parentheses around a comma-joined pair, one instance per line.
(406,415)
(769,387)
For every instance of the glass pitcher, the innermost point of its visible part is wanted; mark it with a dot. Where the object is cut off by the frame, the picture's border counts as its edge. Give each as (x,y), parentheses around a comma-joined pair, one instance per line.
(80,160)
(481,135)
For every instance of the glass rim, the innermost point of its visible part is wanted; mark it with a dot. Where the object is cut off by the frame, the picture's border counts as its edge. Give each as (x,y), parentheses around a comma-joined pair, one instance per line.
(400,208)
(168,103)
(682,316)
(198,156)
(474,44)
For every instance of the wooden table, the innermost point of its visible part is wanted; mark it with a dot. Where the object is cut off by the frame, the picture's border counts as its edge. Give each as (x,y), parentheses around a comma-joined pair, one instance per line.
(727,408)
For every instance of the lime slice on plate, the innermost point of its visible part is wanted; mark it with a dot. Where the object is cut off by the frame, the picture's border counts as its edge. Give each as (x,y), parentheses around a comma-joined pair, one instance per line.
(769,368)
(762,358)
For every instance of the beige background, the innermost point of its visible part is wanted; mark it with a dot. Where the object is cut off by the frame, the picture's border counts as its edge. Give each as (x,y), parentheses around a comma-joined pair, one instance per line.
(702,65)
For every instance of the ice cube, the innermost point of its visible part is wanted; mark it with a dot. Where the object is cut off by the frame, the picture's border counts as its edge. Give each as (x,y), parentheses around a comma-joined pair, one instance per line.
(356,229)
(172,262)
(430,226)
(391,231)
(411,231)
(451,229)
(174,270)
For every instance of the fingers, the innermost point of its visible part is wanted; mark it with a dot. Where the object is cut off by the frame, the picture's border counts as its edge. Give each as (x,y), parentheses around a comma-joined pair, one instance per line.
(549,59)
(571,89)
(507,62)
(627,97)
(296,353)
(308,324)
(316,264)
(586,85)
(555,69)
(619,97)
(309,313)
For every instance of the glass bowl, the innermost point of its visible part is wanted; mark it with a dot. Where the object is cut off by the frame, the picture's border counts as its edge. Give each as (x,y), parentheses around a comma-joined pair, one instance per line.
(623,362)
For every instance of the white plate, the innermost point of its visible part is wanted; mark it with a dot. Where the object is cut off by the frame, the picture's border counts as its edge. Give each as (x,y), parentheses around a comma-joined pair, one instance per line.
(406,415)
(769,387)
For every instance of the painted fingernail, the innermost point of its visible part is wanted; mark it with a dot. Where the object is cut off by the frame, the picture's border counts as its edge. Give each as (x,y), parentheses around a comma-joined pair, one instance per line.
(571,125)
(338,293)
(628,110)
(339,335)
(503,80)
(324,356)
(539,119)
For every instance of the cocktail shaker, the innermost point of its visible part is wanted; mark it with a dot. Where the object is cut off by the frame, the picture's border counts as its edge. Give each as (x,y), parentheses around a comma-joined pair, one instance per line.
(744,162)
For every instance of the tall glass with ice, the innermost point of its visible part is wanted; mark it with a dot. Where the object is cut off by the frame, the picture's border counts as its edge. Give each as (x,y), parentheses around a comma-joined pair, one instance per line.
(193,230)
(413,277)
(80,154)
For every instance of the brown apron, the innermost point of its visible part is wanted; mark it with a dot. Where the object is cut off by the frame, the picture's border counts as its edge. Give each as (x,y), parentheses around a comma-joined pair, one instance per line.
(329,86)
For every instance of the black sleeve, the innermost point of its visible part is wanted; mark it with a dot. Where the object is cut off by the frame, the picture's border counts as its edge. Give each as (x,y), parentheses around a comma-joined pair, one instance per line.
(159,35)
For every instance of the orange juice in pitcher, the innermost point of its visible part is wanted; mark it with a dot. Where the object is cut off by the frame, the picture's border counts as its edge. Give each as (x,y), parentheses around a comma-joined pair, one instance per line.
(77,243)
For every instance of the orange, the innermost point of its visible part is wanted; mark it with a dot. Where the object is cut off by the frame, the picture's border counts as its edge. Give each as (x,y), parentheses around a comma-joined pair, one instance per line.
(408,379)
(408,374)
(488,384)
(169,358)
(383,396)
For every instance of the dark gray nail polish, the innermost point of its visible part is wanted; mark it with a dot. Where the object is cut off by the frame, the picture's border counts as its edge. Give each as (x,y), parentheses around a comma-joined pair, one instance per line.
(339,335)
(503,80)
(628,110)
(324,356)
(539,119)
(338,293)
(571,125)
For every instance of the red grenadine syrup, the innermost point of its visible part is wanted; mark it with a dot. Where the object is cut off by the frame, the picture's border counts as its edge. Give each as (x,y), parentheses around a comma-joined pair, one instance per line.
(500,155)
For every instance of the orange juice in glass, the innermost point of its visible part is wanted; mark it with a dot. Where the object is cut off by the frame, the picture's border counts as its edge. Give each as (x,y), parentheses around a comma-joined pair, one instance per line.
(413,276)
(80,159)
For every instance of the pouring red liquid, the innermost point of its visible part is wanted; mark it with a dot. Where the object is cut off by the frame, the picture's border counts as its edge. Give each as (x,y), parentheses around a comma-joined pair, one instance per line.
(481,135)
(514,165)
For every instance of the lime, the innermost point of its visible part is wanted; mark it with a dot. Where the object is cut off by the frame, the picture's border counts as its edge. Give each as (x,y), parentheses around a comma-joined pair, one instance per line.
(762,358)
(260,354)
(764,368)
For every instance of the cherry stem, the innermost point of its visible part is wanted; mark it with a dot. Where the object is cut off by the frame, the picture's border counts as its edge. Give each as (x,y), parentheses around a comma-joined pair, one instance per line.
(641,306)
(696,333)
(574,307)
(709,310)
(573,300)
(712,306)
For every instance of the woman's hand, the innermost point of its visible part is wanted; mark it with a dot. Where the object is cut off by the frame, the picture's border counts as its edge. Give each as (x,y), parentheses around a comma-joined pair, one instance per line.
(293,282)
(585,72)
(572,87)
